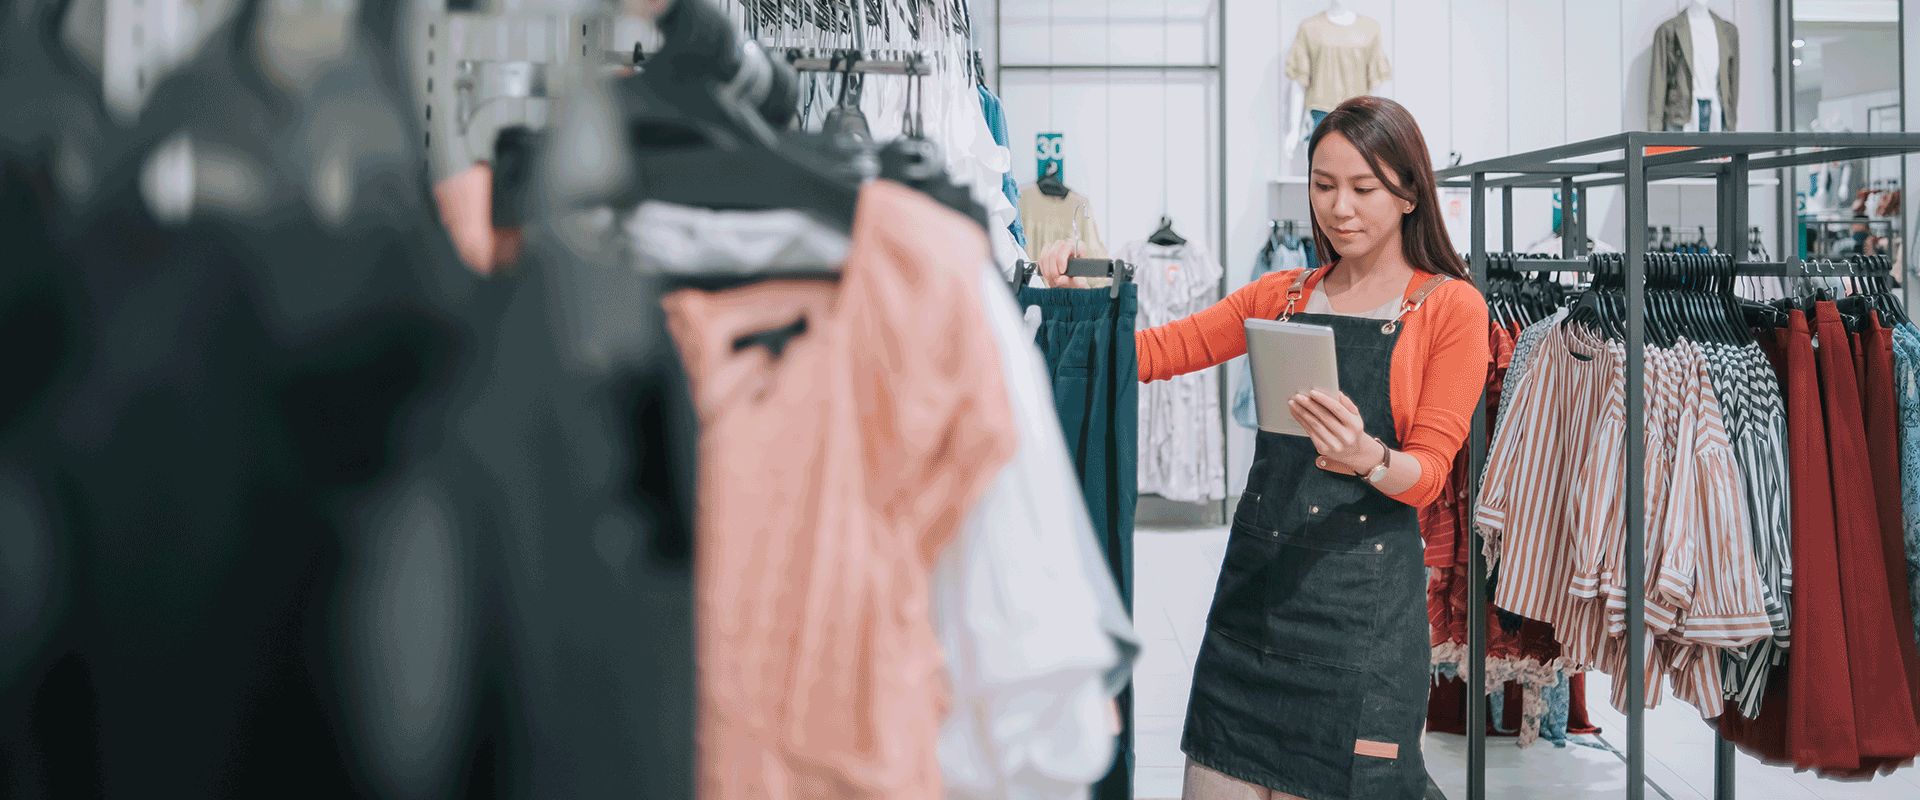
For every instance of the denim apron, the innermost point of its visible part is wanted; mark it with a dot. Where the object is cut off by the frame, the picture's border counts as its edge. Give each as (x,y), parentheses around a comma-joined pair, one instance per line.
(1312,677)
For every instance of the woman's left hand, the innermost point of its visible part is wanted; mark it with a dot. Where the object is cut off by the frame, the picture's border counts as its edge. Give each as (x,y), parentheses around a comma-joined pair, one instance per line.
(1338,432)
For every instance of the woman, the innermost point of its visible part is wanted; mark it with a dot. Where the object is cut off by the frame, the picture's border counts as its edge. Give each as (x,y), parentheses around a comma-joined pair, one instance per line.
(1312,678)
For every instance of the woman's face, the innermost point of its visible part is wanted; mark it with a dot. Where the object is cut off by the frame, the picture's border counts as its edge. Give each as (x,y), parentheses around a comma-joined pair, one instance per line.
(1353,206)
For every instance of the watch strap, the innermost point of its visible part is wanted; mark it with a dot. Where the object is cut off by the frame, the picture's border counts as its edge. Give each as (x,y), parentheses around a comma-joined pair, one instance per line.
(1386,460)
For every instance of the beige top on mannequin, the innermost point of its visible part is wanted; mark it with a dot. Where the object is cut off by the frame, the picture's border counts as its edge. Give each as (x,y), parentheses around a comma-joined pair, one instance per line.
(1336,55)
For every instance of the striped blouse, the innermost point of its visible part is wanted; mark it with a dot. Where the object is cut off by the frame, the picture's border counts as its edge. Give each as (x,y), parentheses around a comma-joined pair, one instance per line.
(1716,548)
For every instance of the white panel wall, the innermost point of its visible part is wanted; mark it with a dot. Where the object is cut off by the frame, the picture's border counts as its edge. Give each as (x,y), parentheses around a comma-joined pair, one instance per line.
(1257,35)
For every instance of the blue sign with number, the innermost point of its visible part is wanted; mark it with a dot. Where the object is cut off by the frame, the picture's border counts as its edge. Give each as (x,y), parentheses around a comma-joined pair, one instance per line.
(1047,149)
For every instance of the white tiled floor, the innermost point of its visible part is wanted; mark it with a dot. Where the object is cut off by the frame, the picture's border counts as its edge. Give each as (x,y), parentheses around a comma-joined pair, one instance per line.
(1174,574)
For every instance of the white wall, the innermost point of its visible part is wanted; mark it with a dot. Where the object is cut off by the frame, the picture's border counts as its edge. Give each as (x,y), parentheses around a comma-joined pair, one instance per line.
(1484,78)
(1137,144)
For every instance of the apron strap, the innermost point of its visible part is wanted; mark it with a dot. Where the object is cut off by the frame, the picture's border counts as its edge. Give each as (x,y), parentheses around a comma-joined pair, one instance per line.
(1299,287)
(1414,302)
(1420,295)
(1409,305)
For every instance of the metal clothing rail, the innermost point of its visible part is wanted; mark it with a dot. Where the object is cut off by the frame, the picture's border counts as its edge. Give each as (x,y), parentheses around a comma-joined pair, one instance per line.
(1726,157)
(884,62)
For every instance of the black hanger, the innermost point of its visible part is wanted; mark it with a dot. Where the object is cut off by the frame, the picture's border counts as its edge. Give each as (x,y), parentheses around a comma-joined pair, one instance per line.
(1678,322)
(1720,298)
(1891,307)
(1856,306)
(845,120)
(1165,236)
(1592,307)
(1050,184)
(1652,316)
(691,145)
(1704,314)
(915,161)
(1119,271)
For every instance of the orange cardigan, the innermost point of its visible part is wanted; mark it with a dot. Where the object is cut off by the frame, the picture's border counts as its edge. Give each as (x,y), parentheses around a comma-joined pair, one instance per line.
(1439,367)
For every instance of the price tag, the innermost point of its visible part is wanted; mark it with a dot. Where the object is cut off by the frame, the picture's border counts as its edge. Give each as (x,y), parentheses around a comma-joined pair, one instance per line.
(1047,153)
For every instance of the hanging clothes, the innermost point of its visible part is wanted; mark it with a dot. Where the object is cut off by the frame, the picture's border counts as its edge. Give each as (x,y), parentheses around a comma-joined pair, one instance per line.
(948,107)
(1555,541)
(1906,379)
(1522,655)
(997,122)
(1880,405)
(1050,219)
(1029,689)
(1882,699)
(1182,453)
(1087,338)
(1846,704)
(787,709)
(1808,719)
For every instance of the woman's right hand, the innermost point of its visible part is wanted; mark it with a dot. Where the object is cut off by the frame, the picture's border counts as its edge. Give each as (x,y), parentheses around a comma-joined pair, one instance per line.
(1053,265)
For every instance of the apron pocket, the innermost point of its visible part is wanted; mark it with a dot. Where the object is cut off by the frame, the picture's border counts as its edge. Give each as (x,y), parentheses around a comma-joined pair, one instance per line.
(1248,511)
(1323,593)
(1313,596)
(1240,596)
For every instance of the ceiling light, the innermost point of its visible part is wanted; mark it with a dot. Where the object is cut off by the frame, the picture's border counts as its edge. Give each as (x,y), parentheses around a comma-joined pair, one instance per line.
(1796,62)
(1799,43)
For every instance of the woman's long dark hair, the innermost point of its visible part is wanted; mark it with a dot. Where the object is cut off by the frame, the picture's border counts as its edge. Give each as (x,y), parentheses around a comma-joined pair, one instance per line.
(1386,135)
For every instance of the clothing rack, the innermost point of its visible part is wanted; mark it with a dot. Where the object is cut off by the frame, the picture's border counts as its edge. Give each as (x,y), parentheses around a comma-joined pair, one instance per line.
(1728,158)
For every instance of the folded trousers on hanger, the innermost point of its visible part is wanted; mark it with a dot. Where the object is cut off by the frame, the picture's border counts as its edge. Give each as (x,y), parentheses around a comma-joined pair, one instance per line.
(1087,337)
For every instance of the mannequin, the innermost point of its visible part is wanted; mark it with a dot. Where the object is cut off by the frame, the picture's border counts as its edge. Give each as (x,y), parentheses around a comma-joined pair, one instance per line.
(1340,34)
(1694,80)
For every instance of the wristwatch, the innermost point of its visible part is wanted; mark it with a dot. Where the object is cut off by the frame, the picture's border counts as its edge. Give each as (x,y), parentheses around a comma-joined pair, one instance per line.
(1379,473)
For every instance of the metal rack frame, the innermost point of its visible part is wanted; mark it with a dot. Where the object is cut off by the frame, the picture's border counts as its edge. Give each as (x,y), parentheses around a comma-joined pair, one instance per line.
(1729,158)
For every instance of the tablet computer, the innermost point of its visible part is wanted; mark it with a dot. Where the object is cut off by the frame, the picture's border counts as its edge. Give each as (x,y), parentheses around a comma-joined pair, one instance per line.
(1288,358)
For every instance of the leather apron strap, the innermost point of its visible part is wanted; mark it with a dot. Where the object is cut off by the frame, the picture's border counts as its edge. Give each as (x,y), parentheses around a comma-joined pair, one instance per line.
(1408,305)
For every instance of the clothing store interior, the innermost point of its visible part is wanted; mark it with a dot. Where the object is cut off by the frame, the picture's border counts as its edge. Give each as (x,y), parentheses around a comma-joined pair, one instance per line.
(971,399)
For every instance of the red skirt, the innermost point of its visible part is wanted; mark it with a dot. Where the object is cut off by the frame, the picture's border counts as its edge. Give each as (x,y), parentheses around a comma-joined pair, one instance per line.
(1882,704)
(1880,407)
(1807,718)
